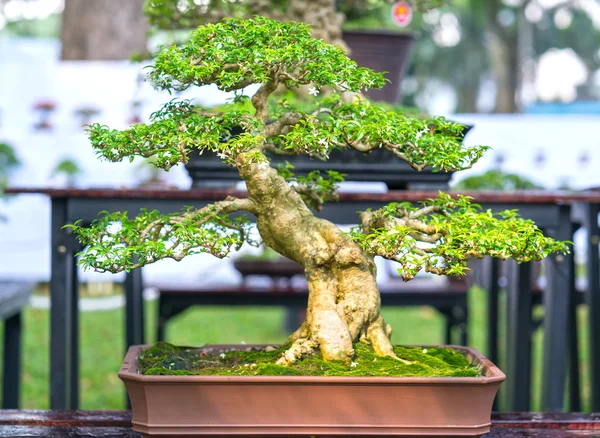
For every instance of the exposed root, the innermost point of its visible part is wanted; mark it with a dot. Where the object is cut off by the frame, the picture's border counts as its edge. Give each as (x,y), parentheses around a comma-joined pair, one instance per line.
(377,334)
(301,332)
(300,348)
(388,331)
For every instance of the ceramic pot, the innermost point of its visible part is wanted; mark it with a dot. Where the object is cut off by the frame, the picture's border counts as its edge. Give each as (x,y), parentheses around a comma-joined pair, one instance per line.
(304,406)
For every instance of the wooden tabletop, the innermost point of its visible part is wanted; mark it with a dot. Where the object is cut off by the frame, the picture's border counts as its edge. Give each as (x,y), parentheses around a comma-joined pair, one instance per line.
(117,424)
(519,197)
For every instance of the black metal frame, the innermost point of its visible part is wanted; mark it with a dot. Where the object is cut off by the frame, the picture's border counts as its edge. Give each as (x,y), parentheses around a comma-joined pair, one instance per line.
(591,212)
(453,305)
(11,367)
(553,217)
(522,308)
(11,307)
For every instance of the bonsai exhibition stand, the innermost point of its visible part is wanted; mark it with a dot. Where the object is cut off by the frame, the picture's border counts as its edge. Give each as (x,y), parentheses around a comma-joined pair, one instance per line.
(550,210)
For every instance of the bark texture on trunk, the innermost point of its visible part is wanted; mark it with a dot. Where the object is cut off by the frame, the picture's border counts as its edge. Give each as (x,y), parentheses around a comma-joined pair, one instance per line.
(344,302)
(103,29)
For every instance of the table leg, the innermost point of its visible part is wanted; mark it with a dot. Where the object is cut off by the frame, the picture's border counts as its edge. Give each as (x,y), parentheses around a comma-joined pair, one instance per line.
(294,317)
(593,300)
(134,315)
(75,334)
(161,321)
(518,348)
(493,295)
(574,393)
(449,325)
(12,362)
(556,306)
(63,319)
(464,325)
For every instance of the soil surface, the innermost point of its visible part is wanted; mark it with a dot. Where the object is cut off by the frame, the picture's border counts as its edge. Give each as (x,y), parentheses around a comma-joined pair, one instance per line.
(167,359)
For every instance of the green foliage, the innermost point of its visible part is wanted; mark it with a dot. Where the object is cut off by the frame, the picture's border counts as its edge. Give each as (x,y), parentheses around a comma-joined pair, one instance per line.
(314,188)
(117,243)
(166,359)
(496,179)
(236,53)
(442,235)
(439,237)
(174,130)
(364,126)
(280,103)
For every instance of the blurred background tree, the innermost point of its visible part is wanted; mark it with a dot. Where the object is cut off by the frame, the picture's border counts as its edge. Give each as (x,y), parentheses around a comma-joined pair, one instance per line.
(491,54)
(482,56)
(103,29)
(496,179)
(89,30)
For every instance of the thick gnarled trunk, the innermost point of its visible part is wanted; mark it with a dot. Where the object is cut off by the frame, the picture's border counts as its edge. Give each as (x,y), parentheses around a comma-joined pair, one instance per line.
(344,302)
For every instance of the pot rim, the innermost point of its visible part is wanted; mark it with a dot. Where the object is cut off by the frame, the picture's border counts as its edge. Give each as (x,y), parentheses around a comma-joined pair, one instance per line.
(128,371)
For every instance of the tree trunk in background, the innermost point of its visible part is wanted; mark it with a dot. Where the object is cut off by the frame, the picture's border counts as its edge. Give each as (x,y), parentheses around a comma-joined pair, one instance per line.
(505,65)
(467,99)
(504,59)
(103,29)
(321,15)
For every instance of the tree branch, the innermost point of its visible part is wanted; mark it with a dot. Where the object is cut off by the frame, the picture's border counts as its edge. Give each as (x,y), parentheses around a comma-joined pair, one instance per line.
(314,188)
(212,211)
(310,195)
(454,230)
(428,210)
(285,121)
(260,100)
(274,149)
(116,243)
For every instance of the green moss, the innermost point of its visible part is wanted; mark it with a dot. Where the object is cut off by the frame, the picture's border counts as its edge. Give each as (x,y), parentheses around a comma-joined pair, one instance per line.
(162,371)
(167,359)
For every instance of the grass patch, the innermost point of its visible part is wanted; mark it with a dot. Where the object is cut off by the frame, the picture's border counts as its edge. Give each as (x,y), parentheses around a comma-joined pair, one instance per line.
(166,359)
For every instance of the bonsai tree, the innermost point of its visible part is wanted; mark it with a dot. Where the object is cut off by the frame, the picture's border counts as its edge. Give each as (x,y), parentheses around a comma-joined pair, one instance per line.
(69,168)
(438,236)
(496,179)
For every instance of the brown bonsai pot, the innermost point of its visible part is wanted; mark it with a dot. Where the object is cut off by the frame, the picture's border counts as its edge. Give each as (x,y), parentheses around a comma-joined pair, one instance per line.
(320,406)
(382,51)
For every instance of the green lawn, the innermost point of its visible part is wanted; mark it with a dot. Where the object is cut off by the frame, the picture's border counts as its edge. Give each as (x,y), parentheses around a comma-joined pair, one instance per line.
(102,343)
